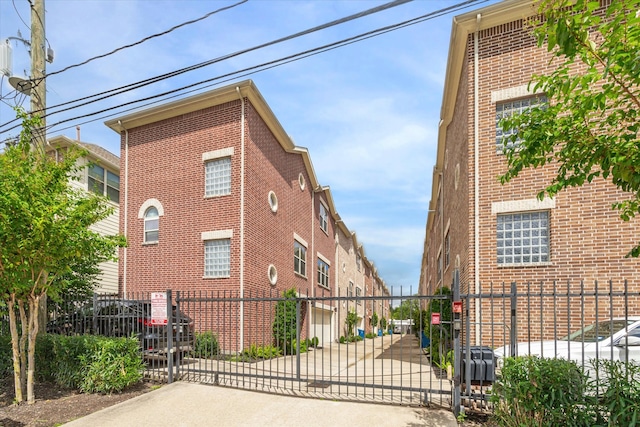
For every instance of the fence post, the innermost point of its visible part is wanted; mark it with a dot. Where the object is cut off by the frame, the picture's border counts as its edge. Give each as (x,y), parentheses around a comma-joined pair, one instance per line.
(457,353)
(513,332)
(298,314)
(169,337)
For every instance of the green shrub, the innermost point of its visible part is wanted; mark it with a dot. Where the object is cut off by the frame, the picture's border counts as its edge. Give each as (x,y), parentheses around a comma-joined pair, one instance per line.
(206,345)
(618,390)
(45,357)
(313,342)
(67,369)
(112,365)
(383,324)
(262,352)
(370,335)
(284,322)
(350,323)
(342,339)
(533,391)
(6,356)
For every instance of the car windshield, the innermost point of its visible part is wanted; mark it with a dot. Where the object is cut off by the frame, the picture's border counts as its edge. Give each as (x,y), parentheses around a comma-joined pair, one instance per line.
(598,331)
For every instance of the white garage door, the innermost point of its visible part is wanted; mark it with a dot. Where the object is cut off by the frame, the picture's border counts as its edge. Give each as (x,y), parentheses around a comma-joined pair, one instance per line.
(321,326)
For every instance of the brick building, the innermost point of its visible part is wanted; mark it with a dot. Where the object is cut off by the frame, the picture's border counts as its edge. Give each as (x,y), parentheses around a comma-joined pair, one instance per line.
(216,197)
(497,234)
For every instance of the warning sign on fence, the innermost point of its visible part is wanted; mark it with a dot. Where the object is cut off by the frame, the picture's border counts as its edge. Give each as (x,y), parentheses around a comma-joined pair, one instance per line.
(158,308)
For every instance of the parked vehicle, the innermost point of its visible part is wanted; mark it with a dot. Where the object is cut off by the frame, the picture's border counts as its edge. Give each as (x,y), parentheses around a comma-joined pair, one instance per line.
(615,339)
(116,317)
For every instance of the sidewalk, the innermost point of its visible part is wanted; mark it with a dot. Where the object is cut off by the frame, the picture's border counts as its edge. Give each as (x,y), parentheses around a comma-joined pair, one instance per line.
(189,404)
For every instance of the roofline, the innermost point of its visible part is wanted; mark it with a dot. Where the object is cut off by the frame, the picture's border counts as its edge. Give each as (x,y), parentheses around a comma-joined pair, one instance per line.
(59,141)
(463,25)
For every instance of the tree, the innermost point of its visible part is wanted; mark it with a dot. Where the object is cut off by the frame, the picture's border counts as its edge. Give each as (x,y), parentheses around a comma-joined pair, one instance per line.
(44,233)
(590,127)
(405,310)
(284,323)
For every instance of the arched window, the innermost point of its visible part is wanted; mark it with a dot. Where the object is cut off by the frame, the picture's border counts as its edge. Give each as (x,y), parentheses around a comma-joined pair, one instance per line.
(151,225)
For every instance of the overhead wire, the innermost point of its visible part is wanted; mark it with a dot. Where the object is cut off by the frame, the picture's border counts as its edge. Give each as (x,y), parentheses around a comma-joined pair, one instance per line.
(193,21)
(146,82)
(272,64)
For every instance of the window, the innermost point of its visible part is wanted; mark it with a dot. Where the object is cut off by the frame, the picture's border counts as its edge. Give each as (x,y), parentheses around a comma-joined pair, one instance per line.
(217,254)
(324,219)
(506,109)
(358,295)
(151,225)
(350,289)
(447,247)
(523,238)
(299,259)
(439,266)
(323,273)
(358,262)
(217,177)
(98,176)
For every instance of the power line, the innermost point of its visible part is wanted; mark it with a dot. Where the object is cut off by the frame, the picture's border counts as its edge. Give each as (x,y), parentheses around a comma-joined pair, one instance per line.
(193,21)
(112,92)
(272,64)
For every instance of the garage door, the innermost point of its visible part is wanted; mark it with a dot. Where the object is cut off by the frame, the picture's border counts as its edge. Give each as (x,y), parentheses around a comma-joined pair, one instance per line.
(321,325)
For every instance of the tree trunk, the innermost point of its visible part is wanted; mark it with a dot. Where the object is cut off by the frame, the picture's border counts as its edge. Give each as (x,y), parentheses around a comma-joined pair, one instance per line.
(15,349)
(24,323)
(34,302)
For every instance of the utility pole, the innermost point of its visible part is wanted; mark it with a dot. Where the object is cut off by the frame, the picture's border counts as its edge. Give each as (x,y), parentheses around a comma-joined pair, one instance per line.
(38,72)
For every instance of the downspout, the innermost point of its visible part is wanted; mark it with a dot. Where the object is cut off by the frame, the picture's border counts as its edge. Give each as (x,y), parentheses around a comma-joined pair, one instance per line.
(476,141)
(126,204)
(241,221)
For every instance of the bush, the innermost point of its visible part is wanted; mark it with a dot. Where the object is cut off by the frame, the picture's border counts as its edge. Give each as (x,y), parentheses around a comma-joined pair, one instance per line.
(313,342)
(45,357)
(206,345)
(350,323)
(111,366)
(284,322)
(533,391)
(262,352)
(6,356)
(370,335)
(67,350)
(618,392)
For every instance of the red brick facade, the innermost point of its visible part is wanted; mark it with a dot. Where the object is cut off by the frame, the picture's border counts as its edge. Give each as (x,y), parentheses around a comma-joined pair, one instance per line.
(165,150)
(587,240)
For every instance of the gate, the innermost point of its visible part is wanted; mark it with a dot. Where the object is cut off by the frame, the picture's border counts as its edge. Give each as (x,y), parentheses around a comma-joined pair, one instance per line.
(328,347)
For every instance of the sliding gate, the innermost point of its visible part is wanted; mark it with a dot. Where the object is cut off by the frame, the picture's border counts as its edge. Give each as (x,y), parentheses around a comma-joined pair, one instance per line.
(343,348)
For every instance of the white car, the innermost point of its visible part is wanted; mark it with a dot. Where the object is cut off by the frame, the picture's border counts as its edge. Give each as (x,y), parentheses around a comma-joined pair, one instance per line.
(615,339)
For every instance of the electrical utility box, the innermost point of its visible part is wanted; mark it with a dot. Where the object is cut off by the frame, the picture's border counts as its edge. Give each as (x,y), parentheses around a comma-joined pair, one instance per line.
(6,58)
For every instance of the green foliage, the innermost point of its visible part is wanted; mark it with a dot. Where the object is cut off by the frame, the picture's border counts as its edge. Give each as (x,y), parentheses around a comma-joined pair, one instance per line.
(350,338)
(374,319)
(313,342)
(440,335)
(46,244)
(350,323)
(589,130)
(111,366)
(6,363)
(406,309)
(533,391)
(284,322)
(371,335)
(383,324)
(206,345)
(262,352)
(618,391)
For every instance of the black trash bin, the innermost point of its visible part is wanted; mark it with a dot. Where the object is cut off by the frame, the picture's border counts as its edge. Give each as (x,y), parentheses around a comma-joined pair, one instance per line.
(482,366)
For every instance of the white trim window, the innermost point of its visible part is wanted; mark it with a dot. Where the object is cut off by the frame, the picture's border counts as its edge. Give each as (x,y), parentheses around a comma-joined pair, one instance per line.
(350,289)
(151,225)
(509,108)
(324,218)
(104,182)
(217,177)
(358,295)
(217,258)
(299,258)
(323,273)
(523,238)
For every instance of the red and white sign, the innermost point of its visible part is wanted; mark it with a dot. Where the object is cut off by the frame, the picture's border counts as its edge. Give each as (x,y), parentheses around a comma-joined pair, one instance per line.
(435,318)
(457,306)
(158,308)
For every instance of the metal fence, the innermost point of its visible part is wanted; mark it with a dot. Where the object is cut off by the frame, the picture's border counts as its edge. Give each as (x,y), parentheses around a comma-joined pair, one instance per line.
(575,320)
(320,346)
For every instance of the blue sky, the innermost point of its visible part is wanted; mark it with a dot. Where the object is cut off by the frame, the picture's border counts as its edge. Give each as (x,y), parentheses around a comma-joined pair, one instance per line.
(368,112)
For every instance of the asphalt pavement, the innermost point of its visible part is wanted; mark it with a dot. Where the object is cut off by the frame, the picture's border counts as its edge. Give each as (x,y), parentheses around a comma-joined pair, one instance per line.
(191,404)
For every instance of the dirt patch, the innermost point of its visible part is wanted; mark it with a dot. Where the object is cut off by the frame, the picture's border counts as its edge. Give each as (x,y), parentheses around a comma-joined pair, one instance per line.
(55,405)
